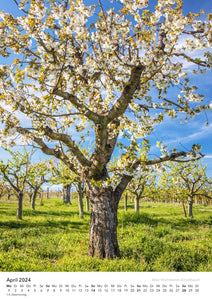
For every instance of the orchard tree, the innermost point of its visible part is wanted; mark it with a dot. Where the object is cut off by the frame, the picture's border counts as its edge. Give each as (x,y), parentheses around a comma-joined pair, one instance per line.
(141,185)
(168,186)
(15,173)
(36,178)
(89,70)
(61,174)
(192,179)
(4,190)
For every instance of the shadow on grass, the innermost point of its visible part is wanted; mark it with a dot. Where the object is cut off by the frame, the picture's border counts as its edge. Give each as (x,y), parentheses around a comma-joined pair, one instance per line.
(52,213)
(49,213)
(47,224)
(154,220)
(5,212)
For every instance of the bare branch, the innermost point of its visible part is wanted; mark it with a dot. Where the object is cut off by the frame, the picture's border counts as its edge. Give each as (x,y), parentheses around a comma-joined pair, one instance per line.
(77,104)
(56,116)
(100,4)
(25,11)
(169,157)
(47,150)
(196,61)
(8,180)
(121,104)
(171,102)
(66,139)
(127,178)
(204,195)
(193,32)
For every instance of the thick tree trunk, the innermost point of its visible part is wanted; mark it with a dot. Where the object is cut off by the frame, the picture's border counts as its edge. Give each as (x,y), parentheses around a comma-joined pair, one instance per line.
(20,203)
(67,193)
(190,207)
(103,241)
(34,198)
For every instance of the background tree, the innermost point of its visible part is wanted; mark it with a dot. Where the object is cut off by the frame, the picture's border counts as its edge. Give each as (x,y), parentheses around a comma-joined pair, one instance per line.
(141,186)
(3,189)
(167,188)
(29,193)
(81,191)
(15,173)
(36,178)
(60,174)
(191,180)
(88,70)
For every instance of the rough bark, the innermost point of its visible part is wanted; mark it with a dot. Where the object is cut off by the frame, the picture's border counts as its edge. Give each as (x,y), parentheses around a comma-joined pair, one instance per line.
(66,193)
(136,205)
(20,203)
(103,241)
(190,207)
(34,198)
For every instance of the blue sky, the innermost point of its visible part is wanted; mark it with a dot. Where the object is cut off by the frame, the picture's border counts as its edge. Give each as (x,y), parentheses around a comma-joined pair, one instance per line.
(174,134)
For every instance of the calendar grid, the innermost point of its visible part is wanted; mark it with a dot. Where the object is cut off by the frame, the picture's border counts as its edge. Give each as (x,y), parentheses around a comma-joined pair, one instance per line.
(137,285)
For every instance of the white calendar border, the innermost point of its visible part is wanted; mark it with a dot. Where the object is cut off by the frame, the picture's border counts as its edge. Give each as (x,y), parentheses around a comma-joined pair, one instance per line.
(201,279)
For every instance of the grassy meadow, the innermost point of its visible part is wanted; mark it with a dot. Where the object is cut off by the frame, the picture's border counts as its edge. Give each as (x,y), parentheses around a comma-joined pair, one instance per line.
(55,238)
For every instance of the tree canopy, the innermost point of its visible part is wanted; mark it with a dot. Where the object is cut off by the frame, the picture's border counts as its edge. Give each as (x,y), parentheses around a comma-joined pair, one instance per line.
(81,68)
(100,72)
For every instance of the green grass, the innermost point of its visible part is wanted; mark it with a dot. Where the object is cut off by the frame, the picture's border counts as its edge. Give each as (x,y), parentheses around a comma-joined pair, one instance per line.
(54,238)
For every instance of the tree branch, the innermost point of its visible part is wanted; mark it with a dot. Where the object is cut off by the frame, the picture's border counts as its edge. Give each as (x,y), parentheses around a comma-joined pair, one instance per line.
(196,61)
(127,178)
(48,151)
(9,181)
(25,11)
(66,139)
(77,104)
(170,157)
(204,195)
(121,104)
(56,115)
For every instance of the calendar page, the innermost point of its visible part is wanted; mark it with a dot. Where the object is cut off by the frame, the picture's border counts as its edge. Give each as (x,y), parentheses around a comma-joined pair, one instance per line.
(105,285)
(105,149)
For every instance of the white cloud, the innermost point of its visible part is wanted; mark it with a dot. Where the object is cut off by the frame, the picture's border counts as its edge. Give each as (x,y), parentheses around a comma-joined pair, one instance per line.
(196,53)
(202,133)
